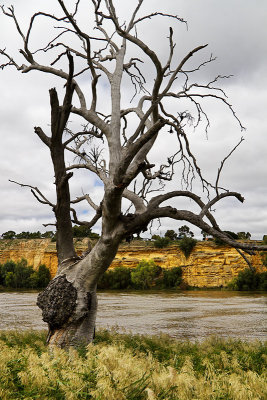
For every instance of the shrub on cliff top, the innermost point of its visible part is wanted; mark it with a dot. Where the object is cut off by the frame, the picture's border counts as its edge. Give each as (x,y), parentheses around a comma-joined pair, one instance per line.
(186,245)
(162,242)
(8,235)
(171,234)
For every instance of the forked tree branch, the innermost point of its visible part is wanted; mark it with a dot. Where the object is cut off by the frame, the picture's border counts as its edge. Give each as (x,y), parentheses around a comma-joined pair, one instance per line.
(36,192)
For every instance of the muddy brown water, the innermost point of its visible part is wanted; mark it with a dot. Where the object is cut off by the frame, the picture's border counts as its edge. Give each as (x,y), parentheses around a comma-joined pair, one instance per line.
(190,315)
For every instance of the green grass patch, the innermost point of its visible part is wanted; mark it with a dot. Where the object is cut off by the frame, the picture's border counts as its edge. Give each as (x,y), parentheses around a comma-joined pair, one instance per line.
(131,367)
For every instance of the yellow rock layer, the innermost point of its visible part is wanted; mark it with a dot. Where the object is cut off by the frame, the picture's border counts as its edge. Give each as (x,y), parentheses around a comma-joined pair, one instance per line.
(207,266)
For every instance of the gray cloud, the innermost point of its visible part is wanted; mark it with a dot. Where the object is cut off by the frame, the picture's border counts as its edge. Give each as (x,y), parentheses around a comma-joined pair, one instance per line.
(236,33)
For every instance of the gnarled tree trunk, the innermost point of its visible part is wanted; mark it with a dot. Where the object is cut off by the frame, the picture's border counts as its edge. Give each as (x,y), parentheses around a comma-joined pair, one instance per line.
(69,302)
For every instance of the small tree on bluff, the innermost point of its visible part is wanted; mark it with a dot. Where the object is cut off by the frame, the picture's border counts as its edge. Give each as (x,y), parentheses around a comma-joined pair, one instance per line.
(184,232)
(107,54)
(171,234)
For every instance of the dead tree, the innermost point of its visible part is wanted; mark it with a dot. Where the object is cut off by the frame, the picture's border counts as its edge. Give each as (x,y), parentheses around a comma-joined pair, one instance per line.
(69,303)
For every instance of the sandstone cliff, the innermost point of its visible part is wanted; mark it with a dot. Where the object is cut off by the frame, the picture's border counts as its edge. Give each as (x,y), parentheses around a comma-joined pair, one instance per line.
(208,265)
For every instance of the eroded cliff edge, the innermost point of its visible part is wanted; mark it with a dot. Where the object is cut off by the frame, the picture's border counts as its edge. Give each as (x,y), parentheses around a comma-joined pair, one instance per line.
(208,265)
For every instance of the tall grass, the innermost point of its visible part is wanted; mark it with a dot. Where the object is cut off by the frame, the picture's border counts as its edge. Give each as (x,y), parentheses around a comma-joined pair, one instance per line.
(119,367)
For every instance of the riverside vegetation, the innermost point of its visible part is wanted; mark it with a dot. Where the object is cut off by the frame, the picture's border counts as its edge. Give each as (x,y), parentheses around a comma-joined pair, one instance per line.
(132,367)
(20,275)
(147,275)
(249,279)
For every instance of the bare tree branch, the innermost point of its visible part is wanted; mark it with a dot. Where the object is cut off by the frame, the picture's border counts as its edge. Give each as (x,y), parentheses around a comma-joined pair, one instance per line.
(88,199)
(35,191)
(222,164)
(50,224)
(89,224)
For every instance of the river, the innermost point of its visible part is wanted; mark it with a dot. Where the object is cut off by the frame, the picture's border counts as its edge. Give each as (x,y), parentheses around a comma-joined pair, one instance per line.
(190,315)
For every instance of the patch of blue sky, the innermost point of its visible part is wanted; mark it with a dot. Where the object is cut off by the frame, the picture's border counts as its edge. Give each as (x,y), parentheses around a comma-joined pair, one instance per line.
(98,183)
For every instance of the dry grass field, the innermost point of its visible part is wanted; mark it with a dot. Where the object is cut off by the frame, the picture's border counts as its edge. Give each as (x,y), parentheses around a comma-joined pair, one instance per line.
(132,367)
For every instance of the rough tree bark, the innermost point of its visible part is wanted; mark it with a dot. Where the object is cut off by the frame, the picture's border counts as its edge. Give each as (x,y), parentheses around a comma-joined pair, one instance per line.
(69,303)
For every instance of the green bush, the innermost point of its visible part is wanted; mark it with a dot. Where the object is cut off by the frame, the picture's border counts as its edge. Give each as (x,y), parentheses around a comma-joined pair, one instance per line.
(44,275)
(172,277)
(145,274)
(20,275)
(263,281)
(184,231)
(171,234)
(9,235)
(249,279)
(186,245)
(116,278)
(264,258)
(162,242)
(10,280)
(9,266)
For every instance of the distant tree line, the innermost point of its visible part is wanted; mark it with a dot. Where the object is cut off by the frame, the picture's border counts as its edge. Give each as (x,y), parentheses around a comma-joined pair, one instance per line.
(22,276)
(27,235)
(184,237)
(184,234)
(78,231)
(84,231)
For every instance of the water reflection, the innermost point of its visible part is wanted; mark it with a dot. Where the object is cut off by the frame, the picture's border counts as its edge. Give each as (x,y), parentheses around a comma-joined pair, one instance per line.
(192,315)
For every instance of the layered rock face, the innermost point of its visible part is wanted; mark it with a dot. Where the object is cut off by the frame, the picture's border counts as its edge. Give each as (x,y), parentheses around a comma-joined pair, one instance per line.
(35,251)
(207,266)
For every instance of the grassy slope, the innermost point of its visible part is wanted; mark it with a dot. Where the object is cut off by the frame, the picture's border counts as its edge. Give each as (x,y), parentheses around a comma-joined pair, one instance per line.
(132,367)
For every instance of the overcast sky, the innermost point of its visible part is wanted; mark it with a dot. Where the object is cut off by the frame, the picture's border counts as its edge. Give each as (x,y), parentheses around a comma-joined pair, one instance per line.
(236,32)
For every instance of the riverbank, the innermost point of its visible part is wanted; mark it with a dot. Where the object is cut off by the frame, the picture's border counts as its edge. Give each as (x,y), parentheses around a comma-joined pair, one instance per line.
(132,367)
(209,265)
